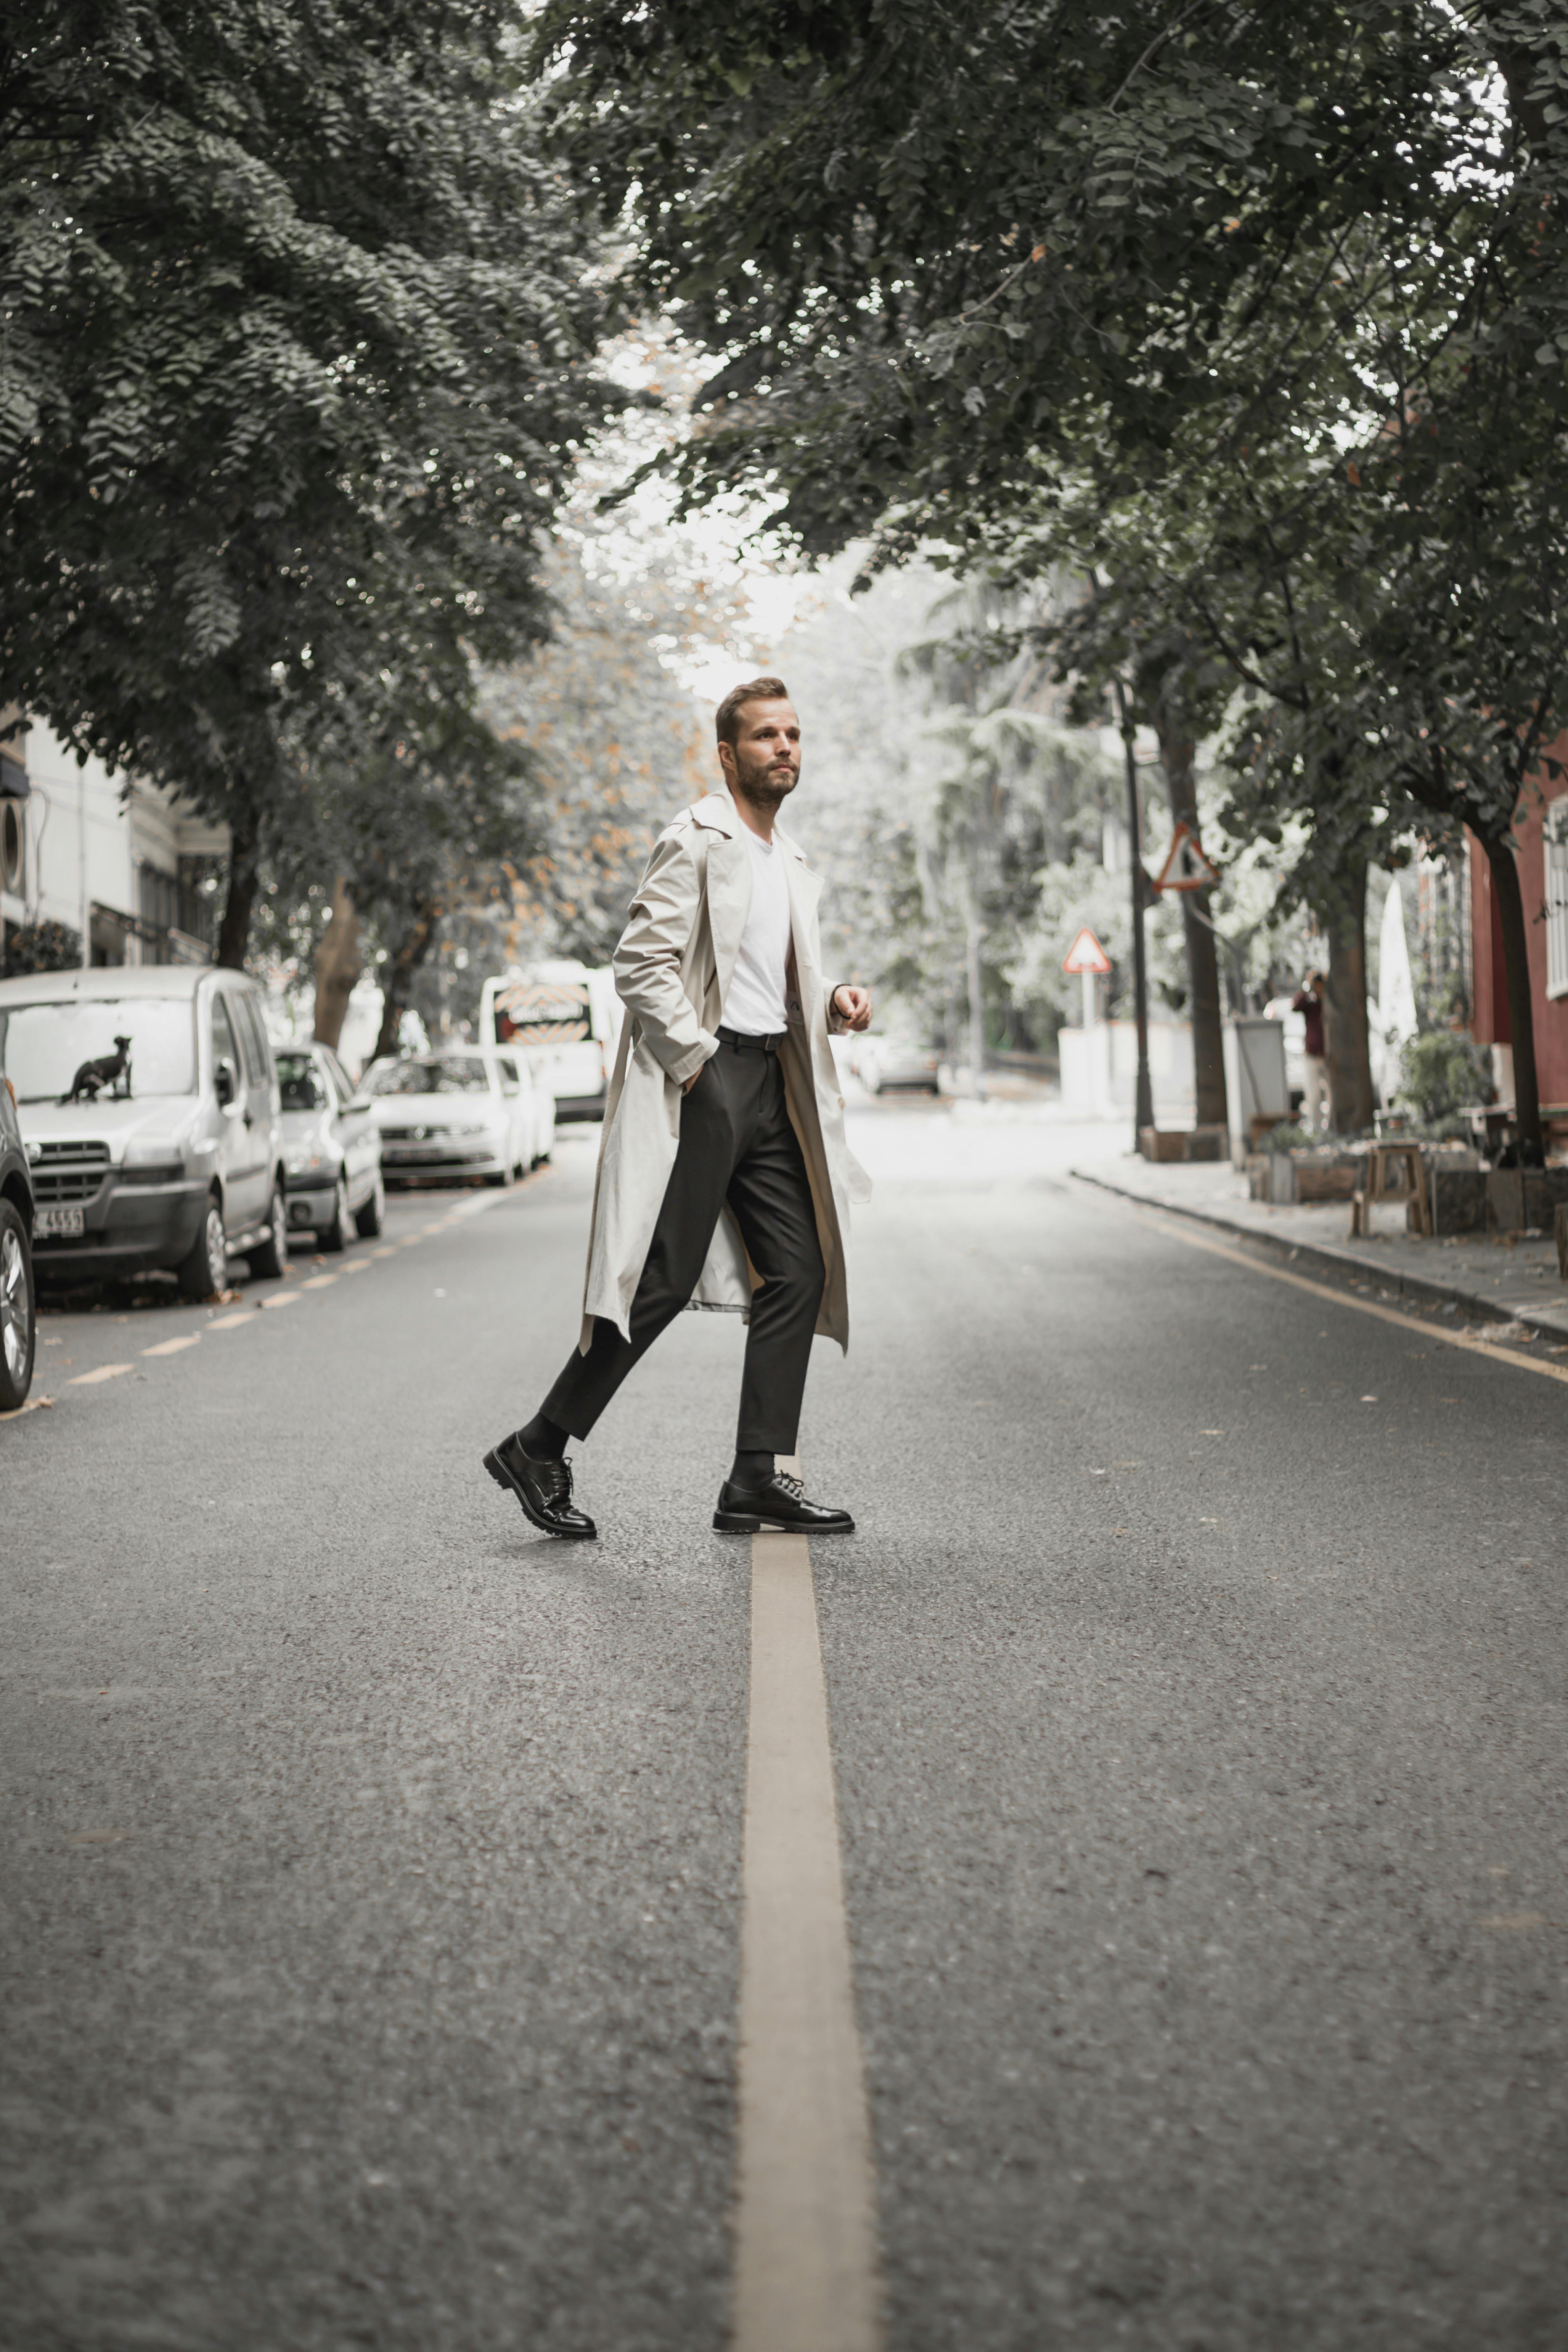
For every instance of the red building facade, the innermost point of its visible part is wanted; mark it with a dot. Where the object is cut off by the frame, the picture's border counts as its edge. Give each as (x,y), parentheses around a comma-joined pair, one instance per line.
(1543,838)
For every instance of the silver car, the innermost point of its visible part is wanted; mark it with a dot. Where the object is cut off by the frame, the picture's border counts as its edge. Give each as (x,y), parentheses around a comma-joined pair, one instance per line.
(331,1150)
(149,1112)
(462,1110)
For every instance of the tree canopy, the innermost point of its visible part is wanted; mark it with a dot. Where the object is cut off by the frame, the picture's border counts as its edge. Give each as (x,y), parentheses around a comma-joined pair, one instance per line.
(301,344)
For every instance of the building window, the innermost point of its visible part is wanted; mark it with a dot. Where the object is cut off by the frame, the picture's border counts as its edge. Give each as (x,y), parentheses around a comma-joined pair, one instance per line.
(12,848)
(1554,841)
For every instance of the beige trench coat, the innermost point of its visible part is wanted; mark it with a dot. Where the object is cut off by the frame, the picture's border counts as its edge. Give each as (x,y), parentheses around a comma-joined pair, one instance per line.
(673,972)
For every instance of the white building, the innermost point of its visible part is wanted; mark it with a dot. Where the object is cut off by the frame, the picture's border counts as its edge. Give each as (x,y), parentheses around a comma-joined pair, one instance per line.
(135,873)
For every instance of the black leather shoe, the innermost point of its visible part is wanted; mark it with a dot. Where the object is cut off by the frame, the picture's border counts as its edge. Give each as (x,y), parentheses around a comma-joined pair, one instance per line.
(543,1488)
(779,1502)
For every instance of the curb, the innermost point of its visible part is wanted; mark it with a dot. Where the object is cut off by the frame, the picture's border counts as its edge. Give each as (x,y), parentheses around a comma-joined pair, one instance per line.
(1417,1287)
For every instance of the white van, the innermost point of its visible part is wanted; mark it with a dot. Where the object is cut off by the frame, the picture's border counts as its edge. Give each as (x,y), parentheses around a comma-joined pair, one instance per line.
(566,1020)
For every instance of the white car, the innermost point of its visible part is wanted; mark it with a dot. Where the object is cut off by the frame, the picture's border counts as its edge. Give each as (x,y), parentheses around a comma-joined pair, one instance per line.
(883,1064)
(459,1110)
(332,1152)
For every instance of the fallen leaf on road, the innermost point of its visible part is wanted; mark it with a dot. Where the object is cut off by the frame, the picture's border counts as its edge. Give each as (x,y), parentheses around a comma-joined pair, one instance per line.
(34,1404)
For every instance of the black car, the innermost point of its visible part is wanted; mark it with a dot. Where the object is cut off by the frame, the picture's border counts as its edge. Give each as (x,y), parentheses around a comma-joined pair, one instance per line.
(19,1310)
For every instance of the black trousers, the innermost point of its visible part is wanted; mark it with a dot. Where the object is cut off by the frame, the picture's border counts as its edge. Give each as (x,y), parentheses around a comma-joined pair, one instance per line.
(737,1146)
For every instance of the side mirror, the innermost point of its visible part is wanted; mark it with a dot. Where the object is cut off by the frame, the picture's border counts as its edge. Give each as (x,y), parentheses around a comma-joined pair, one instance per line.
(224,1078)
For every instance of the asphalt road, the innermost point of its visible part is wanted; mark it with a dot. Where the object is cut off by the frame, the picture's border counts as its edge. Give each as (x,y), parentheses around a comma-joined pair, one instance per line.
(370,1920)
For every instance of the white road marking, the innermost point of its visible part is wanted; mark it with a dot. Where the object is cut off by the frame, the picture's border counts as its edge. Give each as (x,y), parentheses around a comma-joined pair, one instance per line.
(805,2264)
(319,1282)
(172,1347)
(104,1372)
(280,1298)
(232,1322)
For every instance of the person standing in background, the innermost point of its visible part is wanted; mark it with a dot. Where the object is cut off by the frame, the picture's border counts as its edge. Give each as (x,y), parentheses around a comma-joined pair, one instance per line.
(1308,1001)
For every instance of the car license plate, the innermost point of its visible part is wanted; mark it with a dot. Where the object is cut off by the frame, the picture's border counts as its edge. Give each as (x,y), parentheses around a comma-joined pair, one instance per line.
(53,1224)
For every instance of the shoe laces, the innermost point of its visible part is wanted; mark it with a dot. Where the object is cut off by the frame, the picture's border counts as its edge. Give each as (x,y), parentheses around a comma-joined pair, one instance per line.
(555,1480)
(790,1484)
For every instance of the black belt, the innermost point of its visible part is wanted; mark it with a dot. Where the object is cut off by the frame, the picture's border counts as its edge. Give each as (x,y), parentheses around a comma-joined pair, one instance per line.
(741,1044)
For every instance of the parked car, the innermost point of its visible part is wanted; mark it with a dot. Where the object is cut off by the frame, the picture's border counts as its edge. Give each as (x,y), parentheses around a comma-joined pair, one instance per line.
(18,1303)
(331,1147)
(893,1062)
(465,1111)
(150,1111)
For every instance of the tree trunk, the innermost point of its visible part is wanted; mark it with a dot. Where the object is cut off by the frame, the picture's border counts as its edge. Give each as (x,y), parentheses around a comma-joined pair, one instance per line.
(410,952)
(1346,1047)
(977,1005)
(1176,752)
(1521,1005)
(245,859)
(337,966)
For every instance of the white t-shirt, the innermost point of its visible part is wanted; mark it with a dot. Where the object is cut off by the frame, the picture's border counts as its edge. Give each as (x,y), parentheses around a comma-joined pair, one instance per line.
(755,1004)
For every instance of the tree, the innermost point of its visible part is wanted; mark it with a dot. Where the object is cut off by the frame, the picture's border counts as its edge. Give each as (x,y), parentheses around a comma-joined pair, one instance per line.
(299,345)
(957,252)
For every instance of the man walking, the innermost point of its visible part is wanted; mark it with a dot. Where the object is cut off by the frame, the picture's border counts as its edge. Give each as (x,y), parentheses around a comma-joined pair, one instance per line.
(724,1178)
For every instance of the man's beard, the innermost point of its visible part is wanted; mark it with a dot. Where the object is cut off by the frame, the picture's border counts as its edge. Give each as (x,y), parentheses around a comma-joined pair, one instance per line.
(765,788)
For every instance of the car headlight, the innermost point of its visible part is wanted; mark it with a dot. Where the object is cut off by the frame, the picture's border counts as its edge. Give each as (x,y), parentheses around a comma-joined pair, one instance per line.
(303,1160)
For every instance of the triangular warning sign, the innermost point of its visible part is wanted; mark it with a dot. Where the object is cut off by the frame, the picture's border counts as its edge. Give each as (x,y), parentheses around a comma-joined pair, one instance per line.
(1185,866)
(1086,954)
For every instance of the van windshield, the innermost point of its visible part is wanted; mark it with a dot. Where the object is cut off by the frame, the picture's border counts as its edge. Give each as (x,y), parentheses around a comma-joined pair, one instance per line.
(443,1074)
(48,1051)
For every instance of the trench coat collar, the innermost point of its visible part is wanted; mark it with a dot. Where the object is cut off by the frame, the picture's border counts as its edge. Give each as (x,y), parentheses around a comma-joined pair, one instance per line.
(719,814)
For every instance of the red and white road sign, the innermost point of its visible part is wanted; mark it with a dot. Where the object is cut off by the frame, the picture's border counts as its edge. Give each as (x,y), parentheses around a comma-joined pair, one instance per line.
(1086,954)
(1185,866)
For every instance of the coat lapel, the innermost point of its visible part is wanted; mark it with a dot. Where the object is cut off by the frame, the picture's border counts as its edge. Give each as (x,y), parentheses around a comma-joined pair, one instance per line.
(805,888)
(728,884)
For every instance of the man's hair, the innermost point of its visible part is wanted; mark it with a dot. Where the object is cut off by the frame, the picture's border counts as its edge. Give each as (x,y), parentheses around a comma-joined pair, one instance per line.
(727,717)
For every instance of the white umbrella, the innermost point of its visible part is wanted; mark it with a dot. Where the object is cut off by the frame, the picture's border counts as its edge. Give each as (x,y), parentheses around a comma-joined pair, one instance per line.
(1395,1020)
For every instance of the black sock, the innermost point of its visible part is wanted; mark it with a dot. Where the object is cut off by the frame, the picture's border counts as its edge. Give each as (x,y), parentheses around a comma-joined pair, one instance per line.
(543,1438)
(750,1468)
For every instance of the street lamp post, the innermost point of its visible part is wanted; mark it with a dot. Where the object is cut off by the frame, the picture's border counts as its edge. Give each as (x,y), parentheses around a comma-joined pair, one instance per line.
(1144,1113)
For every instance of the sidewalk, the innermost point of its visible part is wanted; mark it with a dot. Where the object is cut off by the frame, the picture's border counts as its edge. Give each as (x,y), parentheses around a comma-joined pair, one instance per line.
(1480,1276)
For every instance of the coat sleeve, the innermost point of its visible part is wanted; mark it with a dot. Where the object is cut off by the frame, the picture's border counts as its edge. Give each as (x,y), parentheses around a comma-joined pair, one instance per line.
(837,1024)
(647,963)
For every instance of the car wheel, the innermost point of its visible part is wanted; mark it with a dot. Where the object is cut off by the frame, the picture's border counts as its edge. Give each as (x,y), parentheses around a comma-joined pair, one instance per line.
(504,1177)
(268,1258)
(334,1234)
(19,1311)
(205,1268)
(368,1220)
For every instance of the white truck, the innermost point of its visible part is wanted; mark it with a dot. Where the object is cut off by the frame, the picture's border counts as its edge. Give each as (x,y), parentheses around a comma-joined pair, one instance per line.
(565,1020)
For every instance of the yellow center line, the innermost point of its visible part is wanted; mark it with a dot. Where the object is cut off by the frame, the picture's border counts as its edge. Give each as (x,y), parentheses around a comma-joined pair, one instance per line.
(1176,1231)
(172,1347)
(232,1322)
(280,1298)
(806,2263)
(319,1282)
